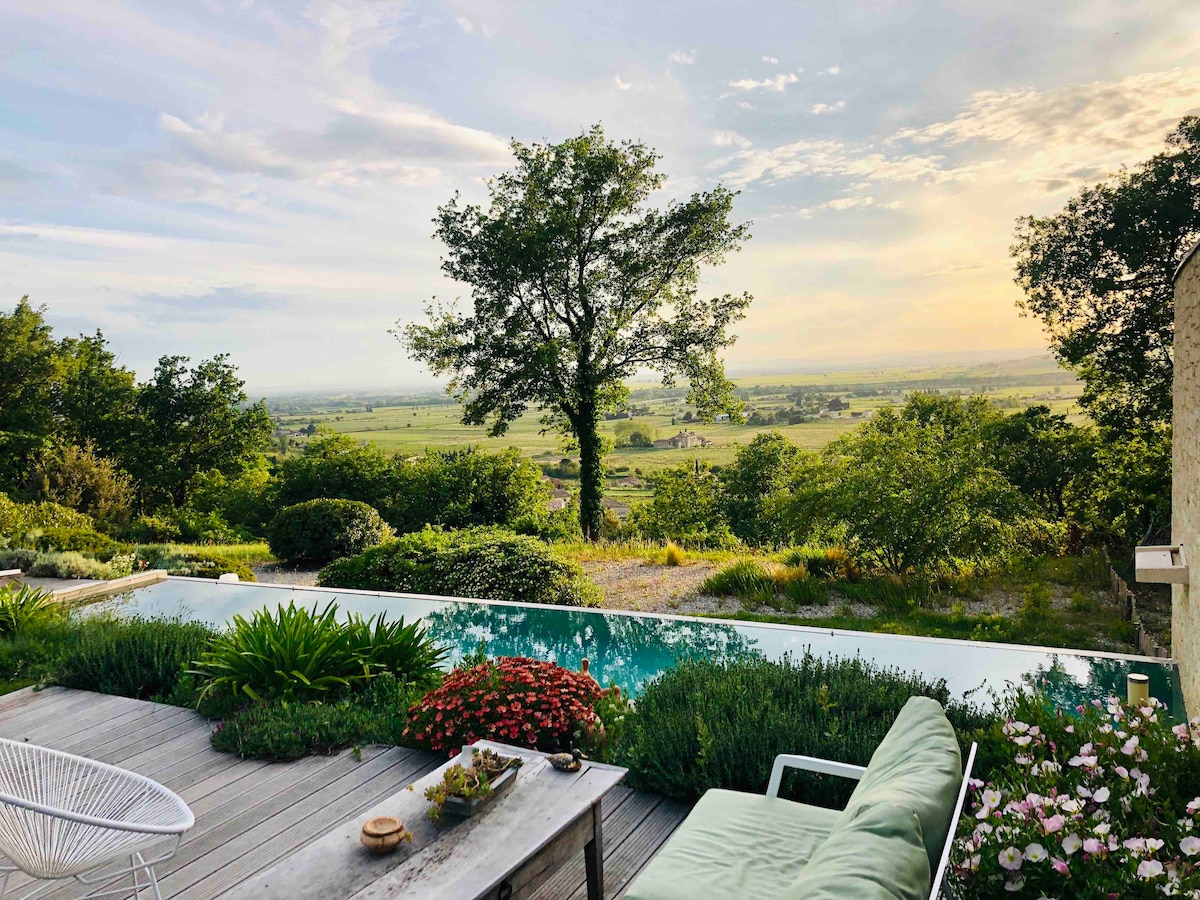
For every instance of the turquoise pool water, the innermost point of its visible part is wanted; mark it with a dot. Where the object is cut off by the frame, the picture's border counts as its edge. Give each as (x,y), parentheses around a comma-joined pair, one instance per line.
(631,648)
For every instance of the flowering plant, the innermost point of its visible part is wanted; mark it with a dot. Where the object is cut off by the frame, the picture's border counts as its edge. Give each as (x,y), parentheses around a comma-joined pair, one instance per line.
(1098,802)
(514,700)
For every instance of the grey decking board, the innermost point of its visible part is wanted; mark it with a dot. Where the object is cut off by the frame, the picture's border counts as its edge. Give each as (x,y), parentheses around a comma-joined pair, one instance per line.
(315,816)
(239,802)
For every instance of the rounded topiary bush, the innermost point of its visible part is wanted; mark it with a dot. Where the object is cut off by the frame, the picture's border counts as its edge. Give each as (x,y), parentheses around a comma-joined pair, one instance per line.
(319,531)
(484,563)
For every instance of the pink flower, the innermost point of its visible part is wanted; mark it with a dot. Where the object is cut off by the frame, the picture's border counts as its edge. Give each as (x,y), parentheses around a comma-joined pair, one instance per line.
(1054,823)
(1149,868)
(1093,846)
(1060,866)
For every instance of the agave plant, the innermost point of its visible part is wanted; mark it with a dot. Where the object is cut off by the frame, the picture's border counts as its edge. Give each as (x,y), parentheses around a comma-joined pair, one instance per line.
(22,606)
(286,654)
(405,651)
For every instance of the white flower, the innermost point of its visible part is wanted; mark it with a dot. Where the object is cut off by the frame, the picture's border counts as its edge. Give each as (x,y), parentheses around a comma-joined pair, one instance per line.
(1130,746)
(1153,845)
(1010,858)
(1190,846)
(1103,828)
(1035,853)
(1015,883)
(1149,868)
(1101,796)
(1071,843)
(1022,741)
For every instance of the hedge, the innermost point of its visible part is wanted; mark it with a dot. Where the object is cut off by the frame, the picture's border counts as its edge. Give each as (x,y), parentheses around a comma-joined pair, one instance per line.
(319,531)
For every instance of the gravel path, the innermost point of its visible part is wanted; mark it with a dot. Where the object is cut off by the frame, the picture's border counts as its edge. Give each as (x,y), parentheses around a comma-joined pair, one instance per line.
(278,573)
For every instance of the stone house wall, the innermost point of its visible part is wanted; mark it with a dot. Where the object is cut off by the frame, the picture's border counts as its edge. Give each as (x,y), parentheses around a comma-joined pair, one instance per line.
(1185,490)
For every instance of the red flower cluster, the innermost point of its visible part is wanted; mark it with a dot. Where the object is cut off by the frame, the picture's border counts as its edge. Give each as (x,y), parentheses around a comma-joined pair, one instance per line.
(513,700)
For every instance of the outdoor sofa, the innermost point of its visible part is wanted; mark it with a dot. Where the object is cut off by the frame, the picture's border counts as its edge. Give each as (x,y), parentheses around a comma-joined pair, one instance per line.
(890,843)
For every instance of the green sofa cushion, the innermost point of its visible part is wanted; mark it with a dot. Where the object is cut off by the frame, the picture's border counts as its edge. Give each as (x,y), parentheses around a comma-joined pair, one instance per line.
(875,853)
(918,766)
(735,846)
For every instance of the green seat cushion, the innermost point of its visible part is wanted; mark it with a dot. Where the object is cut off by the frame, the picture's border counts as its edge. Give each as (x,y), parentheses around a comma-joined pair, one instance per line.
(876,853)
(735,846)
(917,766)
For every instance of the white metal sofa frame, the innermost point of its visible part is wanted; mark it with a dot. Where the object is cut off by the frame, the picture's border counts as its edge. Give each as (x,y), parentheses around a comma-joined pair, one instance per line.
(66,816)
(845,770)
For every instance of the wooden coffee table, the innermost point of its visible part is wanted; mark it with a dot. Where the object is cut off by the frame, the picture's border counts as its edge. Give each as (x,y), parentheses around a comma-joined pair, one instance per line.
(503,853)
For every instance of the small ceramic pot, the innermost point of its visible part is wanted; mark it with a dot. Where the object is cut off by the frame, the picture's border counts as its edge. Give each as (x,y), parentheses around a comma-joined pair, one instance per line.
(383,834)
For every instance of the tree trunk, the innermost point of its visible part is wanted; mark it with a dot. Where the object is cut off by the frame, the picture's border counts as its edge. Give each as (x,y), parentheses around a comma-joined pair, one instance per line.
(591,489)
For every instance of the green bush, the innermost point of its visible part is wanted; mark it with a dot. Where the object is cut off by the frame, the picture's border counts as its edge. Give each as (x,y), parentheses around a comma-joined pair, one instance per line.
(141,658)
(708,724)
(485,563)
(821,562)
(79,540)
(295,653)
(23,607)
(204,565)
(280,732)
(319,531)
(17,519)
(745,578)
(69,565)
(151,530)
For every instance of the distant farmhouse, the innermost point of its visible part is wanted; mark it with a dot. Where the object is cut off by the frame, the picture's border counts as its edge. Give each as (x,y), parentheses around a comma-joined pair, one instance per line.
(618,509)
(631,482)
(837,404)
(558,499)
(682,441)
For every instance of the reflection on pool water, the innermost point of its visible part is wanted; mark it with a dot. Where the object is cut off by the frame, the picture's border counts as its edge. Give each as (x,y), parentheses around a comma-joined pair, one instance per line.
(630,649)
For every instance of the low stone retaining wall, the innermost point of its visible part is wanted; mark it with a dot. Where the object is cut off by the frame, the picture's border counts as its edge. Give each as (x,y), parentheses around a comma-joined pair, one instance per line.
(98,589)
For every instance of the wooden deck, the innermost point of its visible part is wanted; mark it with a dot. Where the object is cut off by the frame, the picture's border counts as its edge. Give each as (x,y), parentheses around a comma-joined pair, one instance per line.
(250,815)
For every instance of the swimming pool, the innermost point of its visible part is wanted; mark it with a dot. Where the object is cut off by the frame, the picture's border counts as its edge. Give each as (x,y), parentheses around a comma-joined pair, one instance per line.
(631,648)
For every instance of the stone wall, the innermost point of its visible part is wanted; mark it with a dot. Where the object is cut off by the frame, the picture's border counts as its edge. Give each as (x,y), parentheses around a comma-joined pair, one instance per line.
(1185,496)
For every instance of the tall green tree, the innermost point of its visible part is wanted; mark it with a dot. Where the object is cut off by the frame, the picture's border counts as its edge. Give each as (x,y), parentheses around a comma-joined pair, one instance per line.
(577,283)
(29,377)
(96,396)
(1099,275)
(190,421)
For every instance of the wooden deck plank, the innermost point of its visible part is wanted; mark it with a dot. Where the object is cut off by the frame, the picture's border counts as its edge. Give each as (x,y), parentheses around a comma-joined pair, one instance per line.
(308,820)
(251,814)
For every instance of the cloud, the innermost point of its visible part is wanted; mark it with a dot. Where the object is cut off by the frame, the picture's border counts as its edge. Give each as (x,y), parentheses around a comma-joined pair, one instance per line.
(683,57)
(778,83)
(742,104)
(823,109)
(465,24)
(832,70)
(837,159)
(219,304)
(771,59)
(729,139)
(622,85)
(844,203)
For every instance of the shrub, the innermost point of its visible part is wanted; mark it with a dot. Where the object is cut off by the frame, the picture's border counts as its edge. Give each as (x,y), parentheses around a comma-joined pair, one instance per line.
(279,732)
(23,607)
(296,653)
(68,565)
(744,578)
(79,540)
(319,531)
(17,519)
(675,555)
(136,657)
(706,724)
(151,530)
(205,565)
(484,562)
(514,700)
(1096,801)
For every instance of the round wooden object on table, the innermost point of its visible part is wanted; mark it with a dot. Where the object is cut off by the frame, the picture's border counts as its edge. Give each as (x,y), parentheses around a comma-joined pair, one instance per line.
(383,834)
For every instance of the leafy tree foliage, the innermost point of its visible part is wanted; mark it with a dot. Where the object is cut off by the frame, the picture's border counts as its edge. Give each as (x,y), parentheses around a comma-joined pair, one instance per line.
(913,496)
(756,484)
(79,478)
(29,369)
(190,421)
(577,283)
(1099,275)
(686,508)
(465,488)
(336,465)
(96,397)
(1041,454)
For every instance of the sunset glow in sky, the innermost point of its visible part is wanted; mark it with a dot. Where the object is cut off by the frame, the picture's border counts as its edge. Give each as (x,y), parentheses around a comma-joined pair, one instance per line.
(259,177)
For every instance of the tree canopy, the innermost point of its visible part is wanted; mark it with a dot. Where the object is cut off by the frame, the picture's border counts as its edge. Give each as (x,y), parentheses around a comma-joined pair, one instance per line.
(1099,275)
(578,283)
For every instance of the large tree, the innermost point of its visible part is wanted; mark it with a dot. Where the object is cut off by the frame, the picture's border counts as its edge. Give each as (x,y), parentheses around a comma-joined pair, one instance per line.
(577,283)
(1099,275)
(191,421)
(29,375)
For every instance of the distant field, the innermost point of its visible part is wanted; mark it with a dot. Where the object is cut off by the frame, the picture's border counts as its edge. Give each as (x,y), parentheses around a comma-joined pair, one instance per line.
(413,429)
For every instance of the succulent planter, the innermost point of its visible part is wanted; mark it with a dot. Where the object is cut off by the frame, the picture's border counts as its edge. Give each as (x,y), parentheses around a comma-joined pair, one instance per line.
(462,808)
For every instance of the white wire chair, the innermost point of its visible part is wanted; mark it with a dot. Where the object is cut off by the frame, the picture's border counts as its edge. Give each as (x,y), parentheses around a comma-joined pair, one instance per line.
(65,816)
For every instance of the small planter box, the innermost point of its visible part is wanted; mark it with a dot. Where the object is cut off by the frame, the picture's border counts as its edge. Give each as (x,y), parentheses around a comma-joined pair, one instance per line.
(465,809)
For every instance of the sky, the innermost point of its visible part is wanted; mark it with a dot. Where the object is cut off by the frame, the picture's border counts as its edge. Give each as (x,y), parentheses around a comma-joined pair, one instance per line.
(259,178)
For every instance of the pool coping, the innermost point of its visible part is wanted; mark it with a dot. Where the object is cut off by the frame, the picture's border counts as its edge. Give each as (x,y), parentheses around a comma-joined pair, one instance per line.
(807,629)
